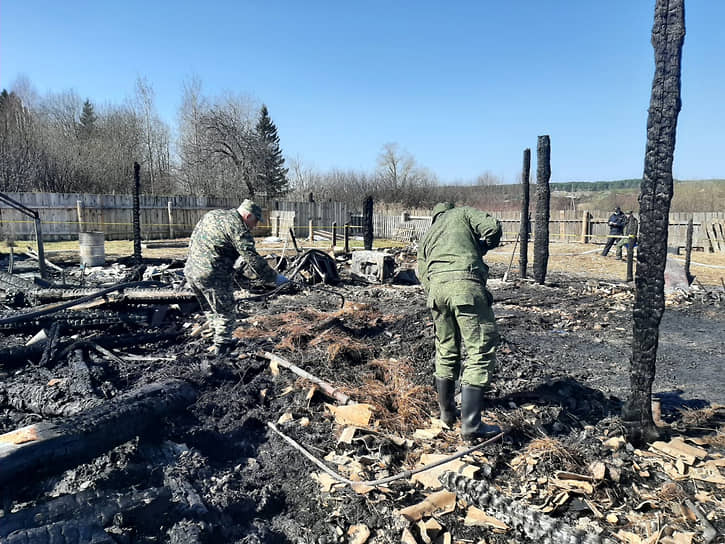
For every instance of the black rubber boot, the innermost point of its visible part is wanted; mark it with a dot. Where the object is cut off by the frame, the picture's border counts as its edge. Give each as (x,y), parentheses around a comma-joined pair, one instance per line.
(446,400)
(471,406)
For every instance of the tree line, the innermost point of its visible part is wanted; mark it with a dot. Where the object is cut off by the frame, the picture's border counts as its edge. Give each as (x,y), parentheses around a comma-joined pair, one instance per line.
(220,146)
(60,143)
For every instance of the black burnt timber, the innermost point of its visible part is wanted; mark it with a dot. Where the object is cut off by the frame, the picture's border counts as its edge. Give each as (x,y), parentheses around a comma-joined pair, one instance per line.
(53,308)
(62,532)
(15,357)
(524,226)
(152,295)
(688,253)
(367,223)
(668,34)
(87,319)
(88,508)
(137,212)
(51,344)
(46,447)
(12,282)
(541,231)
(46,400)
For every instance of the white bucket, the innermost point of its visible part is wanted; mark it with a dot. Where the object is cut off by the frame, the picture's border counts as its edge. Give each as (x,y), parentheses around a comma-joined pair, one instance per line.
(92,250)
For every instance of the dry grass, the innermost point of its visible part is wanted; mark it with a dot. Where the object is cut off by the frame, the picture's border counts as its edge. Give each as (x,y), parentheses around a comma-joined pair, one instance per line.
(552,455)
(341,347)
(697,418)
(585,260)
(400,404)
(717,439)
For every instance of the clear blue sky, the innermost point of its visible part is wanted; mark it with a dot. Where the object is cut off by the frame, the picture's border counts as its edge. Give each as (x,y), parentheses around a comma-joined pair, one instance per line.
(463,86)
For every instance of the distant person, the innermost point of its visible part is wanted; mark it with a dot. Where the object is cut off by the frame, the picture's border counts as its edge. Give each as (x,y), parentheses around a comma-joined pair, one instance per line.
(452,271)
(616,227)
(218,239)
(631,228)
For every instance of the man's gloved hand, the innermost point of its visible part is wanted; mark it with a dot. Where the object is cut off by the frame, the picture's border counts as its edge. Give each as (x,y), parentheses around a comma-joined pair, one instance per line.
(280,280)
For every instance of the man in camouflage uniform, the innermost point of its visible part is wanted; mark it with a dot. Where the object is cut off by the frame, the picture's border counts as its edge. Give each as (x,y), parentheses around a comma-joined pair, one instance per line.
(220,237)
(454,276)
(631,229)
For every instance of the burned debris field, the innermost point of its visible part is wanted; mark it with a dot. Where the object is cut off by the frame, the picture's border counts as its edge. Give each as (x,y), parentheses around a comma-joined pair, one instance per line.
(119,426)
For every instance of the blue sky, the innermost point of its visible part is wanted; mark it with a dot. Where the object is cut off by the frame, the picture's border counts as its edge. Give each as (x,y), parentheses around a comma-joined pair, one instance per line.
(462,86)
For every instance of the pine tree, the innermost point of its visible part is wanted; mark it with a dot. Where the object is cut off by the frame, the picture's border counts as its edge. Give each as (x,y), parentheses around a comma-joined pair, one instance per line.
(272,173)
(87,120)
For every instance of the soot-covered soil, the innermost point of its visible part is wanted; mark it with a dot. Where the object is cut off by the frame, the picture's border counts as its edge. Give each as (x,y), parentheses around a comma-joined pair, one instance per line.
(214,471)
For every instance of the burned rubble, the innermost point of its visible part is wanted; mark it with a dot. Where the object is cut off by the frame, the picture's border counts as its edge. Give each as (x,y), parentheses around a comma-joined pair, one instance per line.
(120,426)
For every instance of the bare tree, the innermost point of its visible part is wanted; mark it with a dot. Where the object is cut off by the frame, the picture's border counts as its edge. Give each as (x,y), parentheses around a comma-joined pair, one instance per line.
(230,143)
(191,173)
(487,178)
(155,149)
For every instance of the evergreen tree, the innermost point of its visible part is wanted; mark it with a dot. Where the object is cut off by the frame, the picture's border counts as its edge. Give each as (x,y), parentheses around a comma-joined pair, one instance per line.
(88,120)
(272,173)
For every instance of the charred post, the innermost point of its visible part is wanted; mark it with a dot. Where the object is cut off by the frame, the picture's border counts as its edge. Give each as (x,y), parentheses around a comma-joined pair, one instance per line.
(688,252)
(541,239)
(368,223)
(668,34)
(524,227)
(136,213)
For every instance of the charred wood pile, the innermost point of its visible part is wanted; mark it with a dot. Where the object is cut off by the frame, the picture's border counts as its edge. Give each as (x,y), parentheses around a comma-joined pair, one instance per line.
(118,425)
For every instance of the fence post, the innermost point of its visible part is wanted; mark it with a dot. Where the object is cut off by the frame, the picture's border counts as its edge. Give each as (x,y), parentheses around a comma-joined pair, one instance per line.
(688,252)
(79,211)
(586,227)
(562,226)
(334,234)
(311,236)
(347,237)
(171,221)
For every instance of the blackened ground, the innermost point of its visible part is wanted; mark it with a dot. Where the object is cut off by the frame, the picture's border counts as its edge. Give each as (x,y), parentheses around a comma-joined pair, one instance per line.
(563,364)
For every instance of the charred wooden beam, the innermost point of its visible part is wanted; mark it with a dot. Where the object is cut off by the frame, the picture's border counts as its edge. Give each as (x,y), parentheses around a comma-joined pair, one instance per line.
(47,399)
(53,447)
(72,531)
(668,34)
(87,508)
(73,320)
(17,356)
(151,295)
(541,233)
(524,227)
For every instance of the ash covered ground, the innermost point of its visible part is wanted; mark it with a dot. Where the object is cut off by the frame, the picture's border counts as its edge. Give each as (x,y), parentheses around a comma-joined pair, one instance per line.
(208,468)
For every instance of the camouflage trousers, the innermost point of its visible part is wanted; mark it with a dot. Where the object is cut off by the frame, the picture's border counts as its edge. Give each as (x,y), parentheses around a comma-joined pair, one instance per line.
(217,301)
(462,316)
(628,242)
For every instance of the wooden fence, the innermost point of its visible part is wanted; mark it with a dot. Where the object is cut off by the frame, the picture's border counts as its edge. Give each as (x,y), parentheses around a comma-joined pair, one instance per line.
(64,215)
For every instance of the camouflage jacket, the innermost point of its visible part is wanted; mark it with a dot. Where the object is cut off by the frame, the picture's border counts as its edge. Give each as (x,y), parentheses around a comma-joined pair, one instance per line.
(217,240)
(454,246)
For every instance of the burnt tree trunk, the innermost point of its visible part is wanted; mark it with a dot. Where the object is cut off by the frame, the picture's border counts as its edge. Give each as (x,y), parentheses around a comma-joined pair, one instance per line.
(136,213)
(368,222)
(668,33)
(524,223)
(541,238)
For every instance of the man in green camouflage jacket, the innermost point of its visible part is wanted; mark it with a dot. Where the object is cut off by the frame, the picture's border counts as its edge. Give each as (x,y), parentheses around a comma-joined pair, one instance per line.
(454,276)
(218,239)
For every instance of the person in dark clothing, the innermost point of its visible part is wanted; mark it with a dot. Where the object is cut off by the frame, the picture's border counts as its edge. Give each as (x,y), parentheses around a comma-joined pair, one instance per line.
(616,227)
(630,231)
